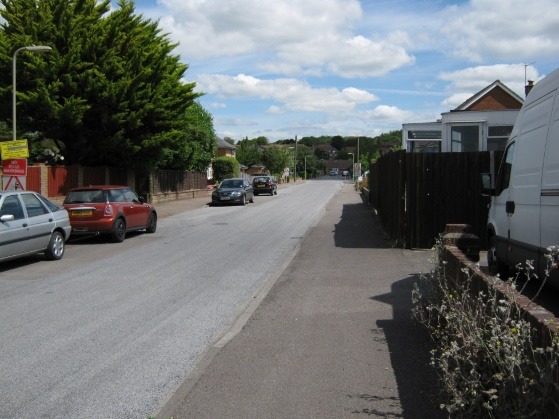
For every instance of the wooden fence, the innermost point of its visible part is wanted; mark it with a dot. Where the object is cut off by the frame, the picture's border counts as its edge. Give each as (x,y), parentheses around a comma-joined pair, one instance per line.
(417,194)
(54,182)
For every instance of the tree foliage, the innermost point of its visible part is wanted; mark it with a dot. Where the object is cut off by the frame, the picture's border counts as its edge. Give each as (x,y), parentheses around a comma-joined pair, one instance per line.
(249,152)
(110,92)
(276,159)
(194,150)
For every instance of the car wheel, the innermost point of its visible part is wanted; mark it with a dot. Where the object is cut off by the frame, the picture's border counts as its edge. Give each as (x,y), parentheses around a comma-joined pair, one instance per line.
(255,194)
(55,249)
(244,200)
(119,231)
(493,262)
(152,223)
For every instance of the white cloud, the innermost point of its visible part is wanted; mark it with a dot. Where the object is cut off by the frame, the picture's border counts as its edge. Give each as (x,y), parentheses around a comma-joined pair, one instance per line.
(469,81)
(388,113)
(275,110)
(310,37)
(293,93)
(503,29)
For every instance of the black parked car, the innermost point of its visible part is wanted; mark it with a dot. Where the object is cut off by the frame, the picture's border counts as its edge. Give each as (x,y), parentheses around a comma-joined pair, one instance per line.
(265,184)
(235,190)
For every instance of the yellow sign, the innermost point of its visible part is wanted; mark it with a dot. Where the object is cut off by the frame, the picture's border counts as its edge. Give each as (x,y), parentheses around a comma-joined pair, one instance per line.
(14,149)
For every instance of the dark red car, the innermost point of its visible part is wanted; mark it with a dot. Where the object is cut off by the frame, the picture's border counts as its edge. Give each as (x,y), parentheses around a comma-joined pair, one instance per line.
(109,209)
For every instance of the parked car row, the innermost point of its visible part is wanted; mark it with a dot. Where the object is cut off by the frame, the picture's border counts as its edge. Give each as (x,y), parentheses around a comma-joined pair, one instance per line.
(241,191)
(30,223)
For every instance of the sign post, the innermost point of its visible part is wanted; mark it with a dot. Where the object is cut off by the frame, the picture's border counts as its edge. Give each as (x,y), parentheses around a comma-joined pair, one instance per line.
(14,164)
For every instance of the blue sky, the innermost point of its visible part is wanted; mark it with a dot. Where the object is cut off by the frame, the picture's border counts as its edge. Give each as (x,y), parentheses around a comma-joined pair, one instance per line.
(280,68)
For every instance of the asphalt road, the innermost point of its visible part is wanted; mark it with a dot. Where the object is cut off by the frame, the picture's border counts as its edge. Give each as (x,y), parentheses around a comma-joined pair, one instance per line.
(112,329)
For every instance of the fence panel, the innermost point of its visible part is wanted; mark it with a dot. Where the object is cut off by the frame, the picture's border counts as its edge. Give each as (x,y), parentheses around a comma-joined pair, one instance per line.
(61,179)
(118,176)
(439,189)
(388,193)
(93,176)
(33,179)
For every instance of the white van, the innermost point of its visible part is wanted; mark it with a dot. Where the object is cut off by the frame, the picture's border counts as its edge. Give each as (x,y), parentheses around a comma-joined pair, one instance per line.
(523,220)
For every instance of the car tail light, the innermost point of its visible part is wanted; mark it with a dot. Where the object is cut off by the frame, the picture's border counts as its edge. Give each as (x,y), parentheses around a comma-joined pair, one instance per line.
(108,212)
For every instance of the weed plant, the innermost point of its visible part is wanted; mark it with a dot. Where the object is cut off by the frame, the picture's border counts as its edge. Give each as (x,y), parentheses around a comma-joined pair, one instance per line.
(484,348)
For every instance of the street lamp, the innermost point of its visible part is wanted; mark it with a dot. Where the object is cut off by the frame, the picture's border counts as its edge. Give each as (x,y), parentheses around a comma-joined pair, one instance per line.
(306,167)
(33,48)
(295,168)
(352,166)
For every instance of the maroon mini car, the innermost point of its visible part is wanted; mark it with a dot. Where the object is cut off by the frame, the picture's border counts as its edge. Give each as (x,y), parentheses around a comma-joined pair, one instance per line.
(109,209)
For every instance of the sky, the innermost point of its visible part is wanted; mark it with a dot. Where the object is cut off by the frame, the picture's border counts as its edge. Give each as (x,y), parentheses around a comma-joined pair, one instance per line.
(286,68)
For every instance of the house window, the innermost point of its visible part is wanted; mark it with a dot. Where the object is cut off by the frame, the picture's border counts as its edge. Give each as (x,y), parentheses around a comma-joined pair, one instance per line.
(464,138)
(424,141)
(425,146)
(497,137)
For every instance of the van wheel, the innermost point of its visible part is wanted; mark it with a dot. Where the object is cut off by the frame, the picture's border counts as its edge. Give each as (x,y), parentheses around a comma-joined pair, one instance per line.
(55,249)
(493,262)
(119,231)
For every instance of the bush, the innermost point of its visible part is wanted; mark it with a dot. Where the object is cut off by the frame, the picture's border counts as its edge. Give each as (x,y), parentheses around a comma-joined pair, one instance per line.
(485,351)
(225,167)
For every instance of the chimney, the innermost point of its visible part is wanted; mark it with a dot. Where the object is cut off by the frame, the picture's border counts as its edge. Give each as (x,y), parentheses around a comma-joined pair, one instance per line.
(528,87)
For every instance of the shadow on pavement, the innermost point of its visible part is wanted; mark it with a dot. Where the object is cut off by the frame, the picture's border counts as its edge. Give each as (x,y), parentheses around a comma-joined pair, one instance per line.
(355,229)
(409,345)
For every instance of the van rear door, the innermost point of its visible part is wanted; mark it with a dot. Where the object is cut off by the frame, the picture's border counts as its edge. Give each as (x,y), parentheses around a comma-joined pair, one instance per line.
(525,194)
(550,183)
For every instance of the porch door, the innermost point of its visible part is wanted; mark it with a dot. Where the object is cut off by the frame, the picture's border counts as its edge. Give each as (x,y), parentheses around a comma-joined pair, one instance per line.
(465,137)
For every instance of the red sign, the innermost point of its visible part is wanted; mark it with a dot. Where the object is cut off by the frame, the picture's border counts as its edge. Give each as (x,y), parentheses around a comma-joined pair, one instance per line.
(14,167)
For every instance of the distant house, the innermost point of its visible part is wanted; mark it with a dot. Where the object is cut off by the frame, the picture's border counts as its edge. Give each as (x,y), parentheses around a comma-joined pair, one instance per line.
(482,123)
(225,149)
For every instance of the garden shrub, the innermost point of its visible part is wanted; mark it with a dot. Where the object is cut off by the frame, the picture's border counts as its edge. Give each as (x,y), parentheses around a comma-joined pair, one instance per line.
(484,348)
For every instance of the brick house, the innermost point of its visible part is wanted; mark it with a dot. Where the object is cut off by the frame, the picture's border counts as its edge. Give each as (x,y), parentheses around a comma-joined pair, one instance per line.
(481,123)
(225,149)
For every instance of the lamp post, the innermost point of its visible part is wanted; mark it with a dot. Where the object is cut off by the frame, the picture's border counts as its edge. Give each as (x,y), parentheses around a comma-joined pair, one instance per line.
(295,168)
(33,48)
(352,166)
(305,167)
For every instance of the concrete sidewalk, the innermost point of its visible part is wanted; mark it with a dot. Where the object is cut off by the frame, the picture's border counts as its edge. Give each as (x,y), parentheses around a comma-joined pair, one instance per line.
(331,337)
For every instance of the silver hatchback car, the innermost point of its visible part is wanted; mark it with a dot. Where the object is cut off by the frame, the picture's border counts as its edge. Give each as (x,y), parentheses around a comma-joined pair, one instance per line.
(29,224)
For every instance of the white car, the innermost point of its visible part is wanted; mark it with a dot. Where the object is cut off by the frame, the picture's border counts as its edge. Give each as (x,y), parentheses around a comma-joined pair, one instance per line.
(29,224)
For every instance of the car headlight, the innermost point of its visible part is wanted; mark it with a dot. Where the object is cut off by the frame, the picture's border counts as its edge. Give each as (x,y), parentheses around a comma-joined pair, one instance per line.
(236,193)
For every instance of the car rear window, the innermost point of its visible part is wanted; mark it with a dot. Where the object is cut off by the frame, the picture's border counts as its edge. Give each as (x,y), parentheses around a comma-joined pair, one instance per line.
(261,179)
(87,195)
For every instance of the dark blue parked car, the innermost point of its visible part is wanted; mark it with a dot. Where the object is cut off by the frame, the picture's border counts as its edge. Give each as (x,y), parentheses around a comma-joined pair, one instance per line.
(233,191)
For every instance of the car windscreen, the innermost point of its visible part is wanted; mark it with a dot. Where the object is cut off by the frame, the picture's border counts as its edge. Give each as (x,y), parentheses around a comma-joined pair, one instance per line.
(231,184)
(261,179)
(86,195)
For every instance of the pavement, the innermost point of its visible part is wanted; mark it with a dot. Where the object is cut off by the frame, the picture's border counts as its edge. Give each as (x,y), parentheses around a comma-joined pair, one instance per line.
(330,335)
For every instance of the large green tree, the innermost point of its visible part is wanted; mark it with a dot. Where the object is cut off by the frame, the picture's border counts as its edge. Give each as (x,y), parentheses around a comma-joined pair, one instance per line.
(277,158)
(249,152)
(110,92)
(195,145)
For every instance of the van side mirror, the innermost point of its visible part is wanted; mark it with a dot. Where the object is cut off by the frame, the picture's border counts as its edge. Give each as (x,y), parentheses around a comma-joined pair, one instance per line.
(486,185)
